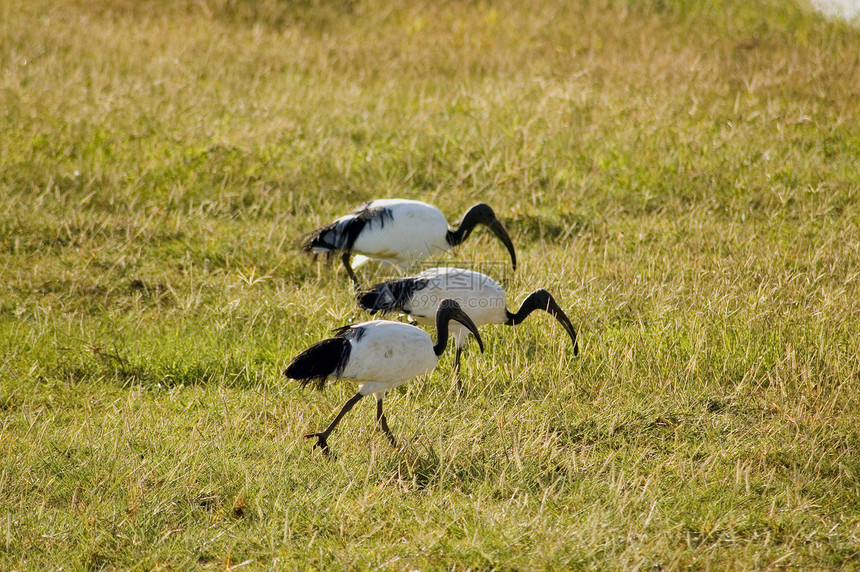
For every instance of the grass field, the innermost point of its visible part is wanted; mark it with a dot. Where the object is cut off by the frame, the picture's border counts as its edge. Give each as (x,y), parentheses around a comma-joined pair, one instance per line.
(682,176)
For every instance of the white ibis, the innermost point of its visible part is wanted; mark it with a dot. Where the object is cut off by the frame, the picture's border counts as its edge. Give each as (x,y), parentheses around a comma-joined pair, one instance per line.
(378,355)
(478,295)
(400,232)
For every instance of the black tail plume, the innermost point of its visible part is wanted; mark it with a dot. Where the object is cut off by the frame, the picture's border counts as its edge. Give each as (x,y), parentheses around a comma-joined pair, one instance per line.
(390,296)
(324,239)
(318,362)
(342,233)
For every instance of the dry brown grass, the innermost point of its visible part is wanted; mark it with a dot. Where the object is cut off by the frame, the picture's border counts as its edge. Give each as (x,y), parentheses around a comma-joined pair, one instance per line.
(683,178)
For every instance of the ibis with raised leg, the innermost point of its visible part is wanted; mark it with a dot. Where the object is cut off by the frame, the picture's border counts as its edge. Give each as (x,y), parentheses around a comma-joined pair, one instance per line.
(378,356)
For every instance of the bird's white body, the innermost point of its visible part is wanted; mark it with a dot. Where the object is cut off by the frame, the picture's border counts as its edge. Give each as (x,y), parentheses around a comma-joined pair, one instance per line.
(411,232)
(386,354)
(400,232)
(378,356)
(478,295)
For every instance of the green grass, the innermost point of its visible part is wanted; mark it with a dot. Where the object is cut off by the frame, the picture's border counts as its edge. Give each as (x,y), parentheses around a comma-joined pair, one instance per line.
(682,176)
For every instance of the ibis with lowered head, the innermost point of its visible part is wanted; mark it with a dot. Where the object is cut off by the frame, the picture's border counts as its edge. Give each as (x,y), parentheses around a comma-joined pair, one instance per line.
(400,232)
(481,297)
(378,356)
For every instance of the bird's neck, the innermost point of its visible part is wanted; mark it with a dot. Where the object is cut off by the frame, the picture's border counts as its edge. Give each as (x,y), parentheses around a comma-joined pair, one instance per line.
(441,335)
(457,235)
(536,301)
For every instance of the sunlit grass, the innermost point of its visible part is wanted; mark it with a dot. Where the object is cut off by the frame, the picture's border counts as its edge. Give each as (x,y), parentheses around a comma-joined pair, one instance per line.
(682,176)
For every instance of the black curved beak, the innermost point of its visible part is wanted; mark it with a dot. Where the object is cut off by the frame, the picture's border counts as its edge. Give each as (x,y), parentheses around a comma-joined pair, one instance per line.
(557,313)
(459,315)
(497,228)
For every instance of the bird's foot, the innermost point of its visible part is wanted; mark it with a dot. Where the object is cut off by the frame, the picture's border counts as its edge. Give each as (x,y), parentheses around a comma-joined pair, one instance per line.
(322,442)
(392,440)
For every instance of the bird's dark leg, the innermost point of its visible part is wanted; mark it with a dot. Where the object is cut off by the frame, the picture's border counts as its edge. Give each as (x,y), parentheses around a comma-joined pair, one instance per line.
(349,270)
(457,370)
(383,423)
(322,442)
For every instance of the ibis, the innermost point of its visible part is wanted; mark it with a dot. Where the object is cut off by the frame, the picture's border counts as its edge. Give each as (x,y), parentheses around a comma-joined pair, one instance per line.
(400,232)
(478,295)
(378,356)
